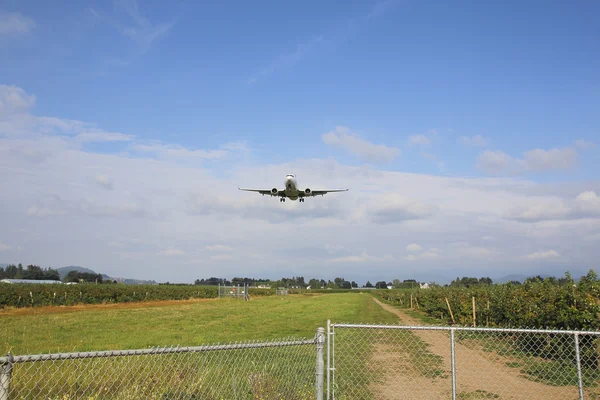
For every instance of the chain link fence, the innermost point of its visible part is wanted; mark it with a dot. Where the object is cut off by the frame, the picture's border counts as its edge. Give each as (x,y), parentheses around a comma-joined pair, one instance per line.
(425,362)
(362,362)
(289,369)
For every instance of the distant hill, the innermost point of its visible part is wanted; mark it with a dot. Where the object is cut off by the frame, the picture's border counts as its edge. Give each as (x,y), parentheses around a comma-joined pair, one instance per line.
(128,281)
(63,271)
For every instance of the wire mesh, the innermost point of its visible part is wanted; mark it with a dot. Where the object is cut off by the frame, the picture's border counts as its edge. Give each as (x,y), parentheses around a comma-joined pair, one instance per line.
(393,362)
(249,370)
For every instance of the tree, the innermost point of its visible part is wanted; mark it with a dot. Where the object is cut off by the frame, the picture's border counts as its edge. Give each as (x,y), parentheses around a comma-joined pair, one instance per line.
(354,284)
(314,283)
(76,276)
(381,285)
(485,281)
(368,284)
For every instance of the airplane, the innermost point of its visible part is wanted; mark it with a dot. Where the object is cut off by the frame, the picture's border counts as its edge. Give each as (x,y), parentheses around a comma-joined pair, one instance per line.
(291,191)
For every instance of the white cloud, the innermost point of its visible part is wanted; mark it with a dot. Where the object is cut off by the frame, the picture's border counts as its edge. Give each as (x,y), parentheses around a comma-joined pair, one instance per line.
(547,160)
(584,144)
(477,140)
(333,248)
(4,247)
(139,32)
(353,144)
(536,160)
(14,23)
(104,181)
(474,251)
(172,252)
(432,253)
(585,205)
(363,257)
(413,248)
(14,100)
(218,247)
(420,140)
(394,208)
(543,255)
(433,158)
(103,137)
(177,152)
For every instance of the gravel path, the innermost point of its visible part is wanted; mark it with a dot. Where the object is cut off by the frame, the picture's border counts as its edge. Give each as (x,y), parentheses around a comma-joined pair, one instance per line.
(479,374)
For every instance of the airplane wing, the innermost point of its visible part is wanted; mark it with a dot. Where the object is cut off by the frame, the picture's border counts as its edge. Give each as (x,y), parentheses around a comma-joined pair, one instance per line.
(264,191)
(322,192)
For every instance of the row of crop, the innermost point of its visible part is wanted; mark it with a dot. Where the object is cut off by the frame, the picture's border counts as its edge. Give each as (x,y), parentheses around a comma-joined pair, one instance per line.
(534,304)
(504,306)
(33,295)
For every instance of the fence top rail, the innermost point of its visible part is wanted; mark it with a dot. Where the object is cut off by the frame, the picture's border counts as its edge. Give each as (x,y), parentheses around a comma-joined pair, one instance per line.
(466,328)
(152,351)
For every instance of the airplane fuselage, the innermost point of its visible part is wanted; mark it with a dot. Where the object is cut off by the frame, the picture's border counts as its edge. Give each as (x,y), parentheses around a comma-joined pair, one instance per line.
(291,187)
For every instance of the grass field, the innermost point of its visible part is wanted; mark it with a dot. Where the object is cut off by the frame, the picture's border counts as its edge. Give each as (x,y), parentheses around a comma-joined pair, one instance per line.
(258,374)
(187,323)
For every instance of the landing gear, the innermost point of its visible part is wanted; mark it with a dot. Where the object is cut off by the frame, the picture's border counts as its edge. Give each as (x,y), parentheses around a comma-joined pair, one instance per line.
(301,199)
(282,199)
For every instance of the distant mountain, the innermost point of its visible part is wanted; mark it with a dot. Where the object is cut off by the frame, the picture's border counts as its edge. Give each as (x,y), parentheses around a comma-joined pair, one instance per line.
(128,281)
(63,271)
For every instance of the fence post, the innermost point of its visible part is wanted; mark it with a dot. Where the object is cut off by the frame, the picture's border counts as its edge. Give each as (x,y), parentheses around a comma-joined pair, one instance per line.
(579,380)
(328,354)
(320,362)
(453,363)
(5,376)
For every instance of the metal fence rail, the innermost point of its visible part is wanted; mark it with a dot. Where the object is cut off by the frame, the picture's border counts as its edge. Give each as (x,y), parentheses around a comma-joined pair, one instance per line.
(427,362)
(250,370)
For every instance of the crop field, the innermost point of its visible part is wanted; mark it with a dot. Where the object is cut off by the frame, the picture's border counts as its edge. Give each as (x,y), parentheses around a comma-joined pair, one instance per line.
(26,295)
(539,304)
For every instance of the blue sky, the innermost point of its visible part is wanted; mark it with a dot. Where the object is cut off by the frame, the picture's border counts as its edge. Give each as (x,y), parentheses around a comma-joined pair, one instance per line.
(507,93)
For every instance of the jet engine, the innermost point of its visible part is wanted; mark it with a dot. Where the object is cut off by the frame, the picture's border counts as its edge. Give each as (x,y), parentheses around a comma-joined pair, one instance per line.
(307,191)
(274,191)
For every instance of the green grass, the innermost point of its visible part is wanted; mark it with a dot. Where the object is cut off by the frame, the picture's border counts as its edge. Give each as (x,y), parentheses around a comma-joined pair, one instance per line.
(136,326)
(249,373)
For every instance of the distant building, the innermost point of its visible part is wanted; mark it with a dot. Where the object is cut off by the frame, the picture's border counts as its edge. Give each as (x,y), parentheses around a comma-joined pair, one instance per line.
(16,281)
(424,285)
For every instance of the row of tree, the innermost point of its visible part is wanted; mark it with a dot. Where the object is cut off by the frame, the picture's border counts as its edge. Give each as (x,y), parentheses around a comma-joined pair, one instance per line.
(299,282)
(29,272)
(35,272)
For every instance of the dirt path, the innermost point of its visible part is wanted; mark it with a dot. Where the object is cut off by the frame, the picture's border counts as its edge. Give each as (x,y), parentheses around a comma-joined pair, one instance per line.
(478,374)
